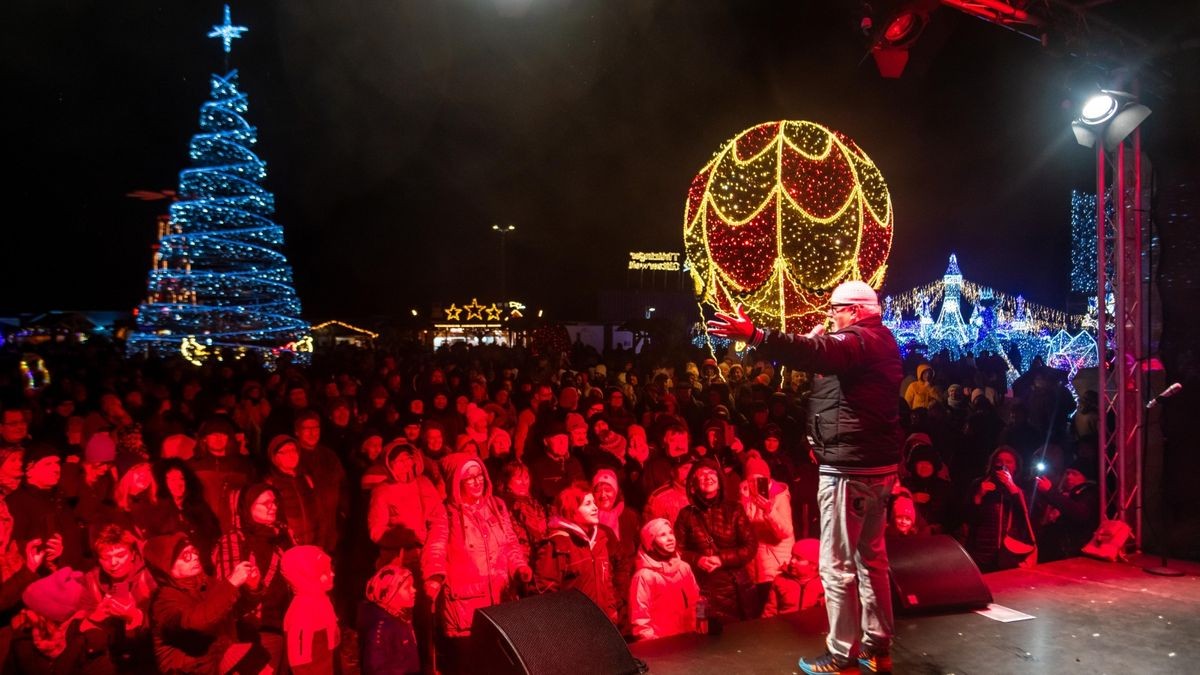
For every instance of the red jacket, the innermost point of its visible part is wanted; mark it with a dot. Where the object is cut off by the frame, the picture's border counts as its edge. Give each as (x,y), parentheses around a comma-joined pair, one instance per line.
(662,598)
(569,558)
(472,546)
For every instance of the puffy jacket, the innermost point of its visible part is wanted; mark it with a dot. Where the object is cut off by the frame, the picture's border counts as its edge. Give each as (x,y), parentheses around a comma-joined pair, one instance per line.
(772,528)
(662,598)
(854,415)
(922,394)
(471,546)
(401,513)
(570,558)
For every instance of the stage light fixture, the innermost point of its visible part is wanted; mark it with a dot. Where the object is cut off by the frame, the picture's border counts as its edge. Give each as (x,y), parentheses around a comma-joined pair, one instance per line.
(897,26)
(1109,116)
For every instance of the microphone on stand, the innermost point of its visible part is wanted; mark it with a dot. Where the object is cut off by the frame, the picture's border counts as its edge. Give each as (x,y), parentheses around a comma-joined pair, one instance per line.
(1166,393)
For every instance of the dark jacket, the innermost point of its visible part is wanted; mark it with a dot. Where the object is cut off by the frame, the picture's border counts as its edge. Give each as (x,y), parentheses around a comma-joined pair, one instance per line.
(389,644)
(854,412)
(569,558)
(720,528)
(39,513)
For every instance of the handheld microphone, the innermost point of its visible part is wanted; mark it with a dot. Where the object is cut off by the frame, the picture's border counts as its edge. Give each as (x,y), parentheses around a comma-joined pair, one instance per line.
(1166,393)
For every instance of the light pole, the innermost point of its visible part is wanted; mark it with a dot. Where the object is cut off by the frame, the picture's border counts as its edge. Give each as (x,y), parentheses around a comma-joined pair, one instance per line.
(503,231)
(1106,121)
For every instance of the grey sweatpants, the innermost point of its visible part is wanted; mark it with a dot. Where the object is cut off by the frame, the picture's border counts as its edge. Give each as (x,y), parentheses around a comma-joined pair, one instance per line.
(854,562)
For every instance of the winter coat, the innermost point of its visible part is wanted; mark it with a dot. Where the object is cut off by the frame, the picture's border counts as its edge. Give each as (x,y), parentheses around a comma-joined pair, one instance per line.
(473,548)
(310,624)
(223,478)
(854,414)
(550,476)
(922,394)
(39,514)
(260,609)
(721,528)
(85,653)
(662,598)
(570,557)
(772,528)
(528,522)
(298,505)
(789,594)
(331,491)
(130,644)
(389,644)
(401,513)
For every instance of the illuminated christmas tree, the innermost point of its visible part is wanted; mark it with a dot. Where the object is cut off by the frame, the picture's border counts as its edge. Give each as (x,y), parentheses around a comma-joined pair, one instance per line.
(221,286)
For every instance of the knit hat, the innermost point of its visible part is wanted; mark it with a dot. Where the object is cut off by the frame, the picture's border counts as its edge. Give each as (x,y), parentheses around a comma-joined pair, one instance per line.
(651,530)
(574,421)
(853,293)
(178,445)
(614,444)
(606,476)
(904,505)
(56,597)
(100,449)
(755,466)
(161,552)
(278,442)
(385,583)
(809,549)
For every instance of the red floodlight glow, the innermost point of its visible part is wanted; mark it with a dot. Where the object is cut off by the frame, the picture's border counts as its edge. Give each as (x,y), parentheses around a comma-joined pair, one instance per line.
(903,28)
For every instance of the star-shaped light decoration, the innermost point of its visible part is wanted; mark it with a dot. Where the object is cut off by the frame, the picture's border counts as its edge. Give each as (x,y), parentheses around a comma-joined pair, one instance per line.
(227,31)
(474,310)
(493,312)
(454,313)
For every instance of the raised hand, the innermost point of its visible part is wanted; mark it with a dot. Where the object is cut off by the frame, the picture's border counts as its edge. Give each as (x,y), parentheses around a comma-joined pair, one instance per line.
(737,326)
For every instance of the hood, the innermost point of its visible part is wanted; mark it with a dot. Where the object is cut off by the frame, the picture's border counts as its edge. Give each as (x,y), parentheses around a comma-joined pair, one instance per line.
(924,367)
(573,530)
(161,552)
(454,465)
(671,568)
(303,567)
(693,495)
(392,449)
(915,440)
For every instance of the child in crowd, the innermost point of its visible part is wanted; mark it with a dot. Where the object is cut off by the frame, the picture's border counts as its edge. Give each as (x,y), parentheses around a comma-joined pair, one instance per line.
(664,592)
(798,586)
(385,628)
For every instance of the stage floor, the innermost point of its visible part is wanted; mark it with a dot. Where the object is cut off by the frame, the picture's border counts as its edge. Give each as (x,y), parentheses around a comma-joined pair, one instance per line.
(1090,617)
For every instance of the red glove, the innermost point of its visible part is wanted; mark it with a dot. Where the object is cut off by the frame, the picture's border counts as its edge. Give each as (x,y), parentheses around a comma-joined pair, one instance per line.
(739,327)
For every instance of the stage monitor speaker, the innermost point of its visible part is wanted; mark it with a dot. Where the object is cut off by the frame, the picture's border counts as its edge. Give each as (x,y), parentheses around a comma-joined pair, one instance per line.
(934,574)
(557,633)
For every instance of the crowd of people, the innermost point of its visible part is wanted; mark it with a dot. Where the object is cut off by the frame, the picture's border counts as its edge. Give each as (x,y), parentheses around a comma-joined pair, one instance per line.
(356,513)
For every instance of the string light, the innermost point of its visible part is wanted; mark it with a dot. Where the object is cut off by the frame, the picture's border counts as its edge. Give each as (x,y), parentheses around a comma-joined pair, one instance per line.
(221,281)
(783,213)
(1083,240)
(335,322)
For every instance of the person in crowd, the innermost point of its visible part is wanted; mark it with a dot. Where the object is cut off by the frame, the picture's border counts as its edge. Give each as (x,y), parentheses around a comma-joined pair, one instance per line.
(370,464)
(19,566)
(192,614)
(660,468)
(922,393)
(296,489)
(12,468)
(499,453)
(605,449)
(340,434)
(798,585)
(717,539)
(260,538)
(932,494)
(995,511)
(668,500)
(181,507)
(52,634)
(310,624)
(855,427)
(222,470)
(1071,512)
(433,449)
(137,507)
(328,475)
(555,469)
(477,434)
(471,556)
(633,471)
(386,637)
(40,511)
(403,508)
(903,517)
(117,595)
(575,553)
(97,478)
(663,593)
(14,427)
(768,506)
(528,515)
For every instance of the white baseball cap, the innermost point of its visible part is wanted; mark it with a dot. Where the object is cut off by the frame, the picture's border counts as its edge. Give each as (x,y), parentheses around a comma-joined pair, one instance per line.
(853,293)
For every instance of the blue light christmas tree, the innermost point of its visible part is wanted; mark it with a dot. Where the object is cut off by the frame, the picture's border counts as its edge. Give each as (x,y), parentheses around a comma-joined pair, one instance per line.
(221,286)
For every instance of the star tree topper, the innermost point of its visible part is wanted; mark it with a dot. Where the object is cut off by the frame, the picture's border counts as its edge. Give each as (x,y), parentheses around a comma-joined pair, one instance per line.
(227,31)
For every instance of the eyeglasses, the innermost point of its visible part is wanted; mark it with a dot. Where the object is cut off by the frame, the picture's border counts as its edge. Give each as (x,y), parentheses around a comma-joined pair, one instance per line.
(834,309)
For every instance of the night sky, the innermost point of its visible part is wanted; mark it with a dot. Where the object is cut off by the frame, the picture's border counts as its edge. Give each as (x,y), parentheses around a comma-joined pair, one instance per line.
(397,133)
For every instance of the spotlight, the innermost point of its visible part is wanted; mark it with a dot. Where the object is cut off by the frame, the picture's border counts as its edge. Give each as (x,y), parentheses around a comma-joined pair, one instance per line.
(1109,116)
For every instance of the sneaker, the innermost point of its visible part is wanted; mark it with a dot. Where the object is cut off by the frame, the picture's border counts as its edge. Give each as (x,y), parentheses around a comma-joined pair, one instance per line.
(827,663)
(875,661)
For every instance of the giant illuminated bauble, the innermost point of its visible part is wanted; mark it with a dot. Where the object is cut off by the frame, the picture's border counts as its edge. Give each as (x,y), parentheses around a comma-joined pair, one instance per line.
(784,212)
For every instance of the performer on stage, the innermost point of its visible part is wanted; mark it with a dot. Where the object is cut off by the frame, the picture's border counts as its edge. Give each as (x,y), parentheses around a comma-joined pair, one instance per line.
(854,422)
